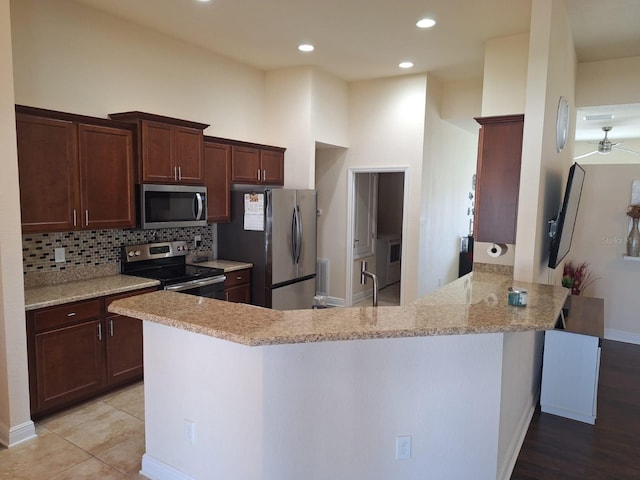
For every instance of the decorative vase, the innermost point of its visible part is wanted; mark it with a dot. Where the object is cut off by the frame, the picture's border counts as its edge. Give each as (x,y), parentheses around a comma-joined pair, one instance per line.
(633,240)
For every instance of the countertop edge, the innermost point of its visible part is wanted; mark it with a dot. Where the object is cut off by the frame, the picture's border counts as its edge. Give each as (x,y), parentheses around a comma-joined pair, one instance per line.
(138,283)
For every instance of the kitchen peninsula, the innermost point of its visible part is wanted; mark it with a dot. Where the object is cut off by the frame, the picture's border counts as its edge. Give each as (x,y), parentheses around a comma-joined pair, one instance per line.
(240,392)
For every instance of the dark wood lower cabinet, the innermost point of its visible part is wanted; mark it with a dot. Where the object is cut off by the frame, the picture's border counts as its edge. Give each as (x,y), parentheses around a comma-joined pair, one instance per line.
(68,364)
(78,350)
(237,286)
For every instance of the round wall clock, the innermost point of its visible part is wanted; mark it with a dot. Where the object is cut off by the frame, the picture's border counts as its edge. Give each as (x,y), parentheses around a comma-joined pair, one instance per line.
(562,124)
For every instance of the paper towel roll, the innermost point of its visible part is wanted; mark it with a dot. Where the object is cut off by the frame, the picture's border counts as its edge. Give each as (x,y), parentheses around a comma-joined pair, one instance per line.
(497,250)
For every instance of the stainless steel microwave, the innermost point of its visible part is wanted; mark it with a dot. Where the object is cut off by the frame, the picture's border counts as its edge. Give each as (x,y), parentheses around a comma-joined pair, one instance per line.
(170,206)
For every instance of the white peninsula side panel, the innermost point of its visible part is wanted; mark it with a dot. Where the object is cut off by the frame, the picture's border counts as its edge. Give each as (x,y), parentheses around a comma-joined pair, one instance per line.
(327,409)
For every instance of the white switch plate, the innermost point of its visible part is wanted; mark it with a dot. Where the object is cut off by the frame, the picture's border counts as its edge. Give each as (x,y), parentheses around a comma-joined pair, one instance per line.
(189,432)
(403,447)
(58,254)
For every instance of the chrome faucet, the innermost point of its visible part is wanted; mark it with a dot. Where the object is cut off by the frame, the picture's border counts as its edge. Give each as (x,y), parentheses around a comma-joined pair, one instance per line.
(363,280)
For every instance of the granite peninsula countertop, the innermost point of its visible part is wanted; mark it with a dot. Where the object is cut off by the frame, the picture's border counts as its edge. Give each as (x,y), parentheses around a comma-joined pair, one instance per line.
(475,303)
(50,295)
(227,265)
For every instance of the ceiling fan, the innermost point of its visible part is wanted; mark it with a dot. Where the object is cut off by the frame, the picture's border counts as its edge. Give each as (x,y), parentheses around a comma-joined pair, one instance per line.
(606,146)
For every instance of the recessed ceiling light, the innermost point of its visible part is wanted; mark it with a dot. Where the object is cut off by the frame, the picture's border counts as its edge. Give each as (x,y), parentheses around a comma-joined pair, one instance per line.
(203,1)
(405,64)
(426,23)
(305,47)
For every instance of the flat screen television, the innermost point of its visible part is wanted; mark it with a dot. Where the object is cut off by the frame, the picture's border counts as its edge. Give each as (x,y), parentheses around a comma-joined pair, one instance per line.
(562,226)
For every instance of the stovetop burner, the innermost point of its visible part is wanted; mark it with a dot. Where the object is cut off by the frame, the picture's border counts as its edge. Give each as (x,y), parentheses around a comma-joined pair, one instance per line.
(164,262)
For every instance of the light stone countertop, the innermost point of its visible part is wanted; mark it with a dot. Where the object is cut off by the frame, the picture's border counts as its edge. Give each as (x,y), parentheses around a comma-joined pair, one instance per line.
(48,296)
(227,265)
(475,303)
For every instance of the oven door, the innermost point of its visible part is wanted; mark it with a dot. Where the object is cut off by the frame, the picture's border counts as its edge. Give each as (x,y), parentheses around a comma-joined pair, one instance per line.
(205,287)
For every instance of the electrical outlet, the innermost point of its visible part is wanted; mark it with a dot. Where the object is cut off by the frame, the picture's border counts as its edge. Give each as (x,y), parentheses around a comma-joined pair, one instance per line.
(58,254)
(403,447)
(197,240)
(189,432)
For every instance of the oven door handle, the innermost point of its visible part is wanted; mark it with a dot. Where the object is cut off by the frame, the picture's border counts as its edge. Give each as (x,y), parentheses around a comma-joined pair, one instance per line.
(195,284)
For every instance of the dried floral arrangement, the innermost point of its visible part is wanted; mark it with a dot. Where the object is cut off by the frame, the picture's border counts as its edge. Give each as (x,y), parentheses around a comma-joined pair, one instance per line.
(633,211)
(577,277)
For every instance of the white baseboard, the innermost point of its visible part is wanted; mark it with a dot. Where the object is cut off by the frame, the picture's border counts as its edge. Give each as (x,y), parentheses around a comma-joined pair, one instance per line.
(156,470)
(10,437)
(621,336)
(516,442)
(335,301)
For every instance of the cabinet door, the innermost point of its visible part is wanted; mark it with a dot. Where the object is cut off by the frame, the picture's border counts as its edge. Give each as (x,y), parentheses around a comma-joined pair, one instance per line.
(238,294)
(124,349)
(69,364)
(48,171)
(498,178)
(217,175)
(272,164)
(106,177)
(245,165)
(188,155)
(157,165)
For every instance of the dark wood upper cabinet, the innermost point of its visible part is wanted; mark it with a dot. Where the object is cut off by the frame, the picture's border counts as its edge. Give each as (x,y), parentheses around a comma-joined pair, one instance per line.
(257,165)
(498,178)
(48,173)
(106,177)
(75,172)
(170,150)
(217,178)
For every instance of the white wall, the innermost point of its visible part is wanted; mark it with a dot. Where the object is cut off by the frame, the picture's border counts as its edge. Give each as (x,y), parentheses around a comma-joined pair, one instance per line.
(608,82)
(76,59)
(450,156)
(329,409)
(386,127)
(600,240)
(551,74)
(505,75)
(15,421)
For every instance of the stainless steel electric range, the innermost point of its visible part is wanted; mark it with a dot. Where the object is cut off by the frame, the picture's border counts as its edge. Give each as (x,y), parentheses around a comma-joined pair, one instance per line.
(166,262)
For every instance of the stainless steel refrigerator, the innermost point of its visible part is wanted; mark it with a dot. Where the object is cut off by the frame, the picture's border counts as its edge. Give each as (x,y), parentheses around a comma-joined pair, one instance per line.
(283,254)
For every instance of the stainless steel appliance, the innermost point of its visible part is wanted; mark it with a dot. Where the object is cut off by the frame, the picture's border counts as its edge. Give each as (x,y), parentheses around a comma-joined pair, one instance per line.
(170,206)
(283,254)
(166,262)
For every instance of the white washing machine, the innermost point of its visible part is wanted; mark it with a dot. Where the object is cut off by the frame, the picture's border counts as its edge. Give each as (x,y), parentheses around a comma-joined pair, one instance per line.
(388,259)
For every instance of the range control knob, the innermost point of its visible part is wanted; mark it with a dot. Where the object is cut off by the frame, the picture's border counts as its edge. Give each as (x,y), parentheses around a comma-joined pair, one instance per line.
(138,253)
(131,254)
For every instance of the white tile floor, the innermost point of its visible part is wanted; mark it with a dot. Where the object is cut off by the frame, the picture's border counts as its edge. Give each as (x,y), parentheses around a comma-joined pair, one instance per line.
(388,296)
(101,439)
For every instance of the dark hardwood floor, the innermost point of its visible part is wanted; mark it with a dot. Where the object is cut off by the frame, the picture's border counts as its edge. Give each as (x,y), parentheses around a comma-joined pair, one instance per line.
(559,448)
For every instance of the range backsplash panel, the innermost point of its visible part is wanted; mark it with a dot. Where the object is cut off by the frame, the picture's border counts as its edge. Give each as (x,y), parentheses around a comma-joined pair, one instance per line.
(100,247)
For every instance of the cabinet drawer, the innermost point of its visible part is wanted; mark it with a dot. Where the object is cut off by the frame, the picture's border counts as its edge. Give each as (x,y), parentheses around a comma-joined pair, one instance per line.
(237,278)
(118,296)
(54,317)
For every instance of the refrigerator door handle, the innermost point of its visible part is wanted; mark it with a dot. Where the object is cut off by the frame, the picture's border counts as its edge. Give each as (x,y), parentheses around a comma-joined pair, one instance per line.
(294,235)
(299,234)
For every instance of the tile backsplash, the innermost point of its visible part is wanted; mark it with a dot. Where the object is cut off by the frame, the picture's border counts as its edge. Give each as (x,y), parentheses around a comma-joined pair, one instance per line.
(100,247)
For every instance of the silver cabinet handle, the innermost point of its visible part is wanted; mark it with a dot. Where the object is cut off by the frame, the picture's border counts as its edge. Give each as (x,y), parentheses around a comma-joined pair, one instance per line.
(111,327)
(75,217)
(100,331)
(86,218)
(258,174)
(71,314)
(264,175)
(175,173)
(179,173)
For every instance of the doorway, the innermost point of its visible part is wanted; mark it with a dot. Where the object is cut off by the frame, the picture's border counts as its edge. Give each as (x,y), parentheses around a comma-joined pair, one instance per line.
(376,216)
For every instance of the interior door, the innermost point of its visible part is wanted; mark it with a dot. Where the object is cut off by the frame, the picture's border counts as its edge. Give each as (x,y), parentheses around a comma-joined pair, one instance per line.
(279,219)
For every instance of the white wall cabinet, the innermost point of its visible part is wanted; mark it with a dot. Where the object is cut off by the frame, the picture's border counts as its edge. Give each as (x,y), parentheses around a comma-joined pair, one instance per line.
(571,362)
